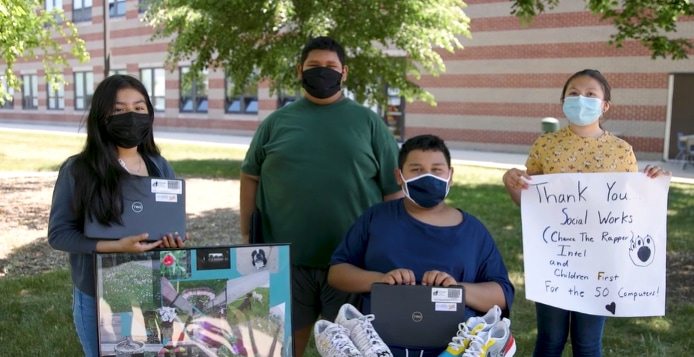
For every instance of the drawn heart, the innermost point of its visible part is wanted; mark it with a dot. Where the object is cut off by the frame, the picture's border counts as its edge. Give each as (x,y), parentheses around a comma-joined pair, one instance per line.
(611,307)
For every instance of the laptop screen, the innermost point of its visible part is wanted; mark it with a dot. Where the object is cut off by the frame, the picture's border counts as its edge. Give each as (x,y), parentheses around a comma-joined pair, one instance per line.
(211,301)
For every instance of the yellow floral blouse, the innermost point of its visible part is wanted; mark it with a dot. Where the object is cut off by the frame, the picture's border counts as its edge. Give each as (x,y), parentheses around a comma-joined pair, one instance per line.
(563,151)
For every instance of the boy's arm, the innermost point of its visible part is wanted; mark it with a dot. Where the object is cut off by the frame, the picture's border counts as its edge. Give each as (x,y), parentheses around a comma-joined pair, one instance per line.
(352,279)
(483,296)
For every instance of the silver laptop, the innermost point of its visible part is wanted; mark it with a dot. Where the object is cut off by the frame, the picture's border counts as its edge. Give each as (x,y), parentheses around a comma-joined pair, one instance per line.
(150,205)
(417,315)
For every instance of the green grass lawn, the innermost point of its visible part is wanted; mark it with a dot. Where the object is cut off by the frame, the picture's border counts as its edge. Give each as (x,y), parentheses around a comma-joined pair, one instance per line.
(36,310)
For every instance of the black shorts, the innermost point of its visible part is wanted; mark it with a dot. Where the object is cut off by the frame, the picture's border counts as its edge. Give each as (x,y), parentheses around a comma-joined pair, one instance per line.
(313,297)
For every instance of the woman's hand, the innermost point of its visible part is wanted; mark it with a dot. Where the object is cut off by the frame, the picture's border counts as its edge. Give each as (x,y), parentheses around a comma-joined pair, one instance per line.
(513,179)
(136,244)
(653,171)
(438,278)
(174,241)
(399,276)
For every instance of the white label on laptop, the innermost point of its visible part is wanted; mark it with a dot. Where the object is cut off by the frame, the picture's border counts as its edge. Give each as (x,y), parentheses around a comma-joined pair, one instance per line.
(447,295)
(445,306)
(166,197)
(166,186)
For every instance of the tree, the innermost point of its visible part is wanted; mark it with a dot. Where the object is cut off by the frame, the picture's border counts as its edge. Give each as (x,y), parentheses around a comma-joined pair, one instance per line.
(647,21)
(261,40)
(25,28)
(258,40)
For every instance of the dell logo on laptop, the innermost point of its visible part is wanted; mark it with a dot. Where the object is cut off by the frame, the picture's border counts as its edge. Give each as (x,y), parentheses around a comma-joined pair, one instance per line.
(137,207)
(417,316)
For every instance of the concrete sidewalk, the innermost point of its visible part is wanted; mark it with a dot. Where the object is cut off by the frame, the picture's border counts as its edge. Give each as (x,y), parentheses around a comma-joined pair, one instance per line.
(463,157)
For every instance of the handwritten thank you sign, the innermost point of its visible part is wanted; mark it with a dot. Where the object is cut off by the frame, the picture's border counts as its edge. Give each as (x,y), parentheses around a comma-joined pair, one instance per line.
(595,243)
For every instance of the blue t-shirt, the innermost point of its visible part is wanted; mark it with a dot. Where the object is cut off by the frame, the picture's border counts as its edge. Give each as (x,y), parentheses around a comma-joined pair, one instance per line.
(386,237)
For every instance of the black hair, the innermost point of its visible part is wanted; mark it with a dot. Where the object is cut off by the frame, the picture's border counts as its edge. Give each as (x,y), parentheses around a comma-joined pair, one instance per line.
(593,73)
(96,170)
(424,143)
(323,43)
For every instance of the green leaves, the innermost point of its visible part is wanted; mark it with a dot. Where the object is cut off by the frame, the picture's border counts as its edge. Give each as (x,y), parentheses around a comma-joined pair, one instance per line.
(651,22)
(27,28)
(262,40)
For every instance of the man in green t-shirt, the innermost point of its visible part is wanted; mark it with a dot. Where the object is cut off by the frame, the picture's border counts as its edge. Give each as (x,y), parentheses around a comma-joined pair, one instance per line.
(312,168)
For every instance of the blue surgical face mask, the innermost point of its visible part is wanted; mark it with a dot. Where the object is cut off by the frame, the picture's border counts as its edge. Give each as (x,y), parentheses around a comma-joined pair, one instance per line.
(582,110)
(426,190)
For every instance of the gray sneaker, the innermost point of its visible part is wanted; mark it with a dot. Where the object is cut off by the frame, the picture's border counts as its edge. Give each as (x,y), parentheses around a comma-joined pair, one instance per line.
(332,340)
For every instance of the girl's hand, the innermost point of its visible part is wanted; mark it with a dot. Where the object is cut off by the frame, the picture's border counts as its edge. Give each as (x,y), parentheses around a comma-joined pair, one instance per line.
(136,244)
(174,241)
(653,171)
(513,179)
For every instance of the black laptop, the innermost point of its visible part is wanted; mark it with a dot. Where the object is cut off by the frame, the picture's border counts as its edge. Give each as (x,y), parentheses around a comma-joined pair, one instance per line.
(417,315)
(150,205)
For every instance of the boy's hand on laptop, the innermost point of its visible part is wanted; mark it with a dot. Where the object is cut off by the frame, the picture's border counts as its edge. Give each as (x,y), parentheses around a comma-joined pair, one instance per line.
(399,276)
(174,241)
(438,278)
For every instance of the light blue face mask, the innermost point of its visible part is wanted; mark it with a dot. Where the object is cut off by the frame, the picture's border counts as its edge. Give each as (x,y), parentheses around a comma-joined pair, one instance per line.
(582,110)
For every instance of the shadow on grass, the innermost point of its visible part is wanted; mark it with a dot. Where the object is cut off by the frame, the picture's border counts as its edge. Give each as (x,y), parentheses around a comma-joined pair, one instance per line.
(37,289)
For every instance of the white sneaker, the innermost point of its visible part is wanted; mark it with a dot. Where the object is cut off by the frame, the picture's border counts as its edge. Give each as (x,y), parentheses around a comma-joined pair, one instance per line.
(332,340)
(497,342)
(362,332)
(473,326)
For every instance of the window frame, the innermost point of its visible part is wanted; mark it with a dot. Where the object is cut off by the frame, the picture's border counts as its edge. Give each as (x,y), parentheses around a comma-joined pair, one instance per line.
(244,100)
(55,98)
(30,101)
(114,6)
(198,101)
(151,85)
(9,102)
(82,13)
(86,85)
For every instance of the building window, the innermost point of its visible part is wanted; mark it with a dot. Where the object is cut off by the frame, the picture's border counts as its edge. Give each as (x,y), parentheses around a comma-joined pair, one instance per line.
(81,10)
(84,88)
(116,8)
(56,98)
(56,5)
(117,71)
(142,6)
(194,91)
(30,92)
(155,81)
(246,102)
(287,97)
(6,102)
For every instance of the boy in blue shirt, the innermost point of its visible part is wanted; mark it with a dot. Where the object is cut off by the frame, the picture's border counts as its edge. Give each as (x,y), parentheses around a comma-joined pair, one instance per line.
(419,239)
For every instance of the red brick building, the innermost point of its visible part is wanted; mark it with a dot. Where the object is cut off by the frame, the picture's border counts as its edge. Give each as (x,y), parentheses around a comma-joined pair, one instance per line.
(492,96)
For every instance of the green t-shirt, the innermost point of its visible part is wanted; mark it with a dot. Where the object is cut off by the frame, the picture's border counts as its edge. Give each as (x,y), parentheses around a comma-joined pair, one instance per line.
(320,167)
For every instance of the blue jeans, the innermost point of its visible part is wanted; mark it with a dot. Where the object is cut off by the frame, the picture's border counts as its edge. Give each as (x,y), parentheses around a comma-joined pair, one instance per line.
(553,326)
(84,315)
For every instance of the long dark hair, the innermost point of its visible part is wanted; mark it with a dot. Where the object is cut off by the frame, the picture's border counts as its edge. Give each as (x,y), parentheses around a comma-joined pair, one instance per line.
(96,169)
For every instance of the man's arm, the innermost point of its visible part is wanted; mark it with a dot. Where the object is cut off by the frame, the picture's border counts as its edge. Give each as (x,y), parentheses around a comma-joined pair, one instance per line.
(483,296)
(249,187)
(352,279)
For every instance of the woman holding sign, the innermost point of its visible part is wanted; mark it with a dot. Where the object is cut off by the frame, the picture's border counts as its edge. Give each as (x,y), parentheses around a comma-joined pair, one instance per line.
(119,143)
(583,146)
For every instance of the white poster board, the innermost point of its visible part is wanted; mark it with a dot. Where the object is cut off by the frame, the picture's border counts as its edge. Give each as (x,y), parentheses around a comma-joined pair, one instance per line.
(595,243)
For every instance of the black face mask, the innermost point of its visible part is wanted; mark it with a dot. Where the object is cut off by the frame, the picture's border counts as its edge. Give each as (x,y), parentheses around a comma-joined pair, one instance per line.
(129,129)
(321,82)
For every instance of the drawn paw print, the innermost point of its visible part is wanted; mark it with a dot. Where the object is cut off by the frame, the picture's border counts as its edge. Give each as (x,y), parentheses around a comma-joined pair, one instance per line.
(642,250)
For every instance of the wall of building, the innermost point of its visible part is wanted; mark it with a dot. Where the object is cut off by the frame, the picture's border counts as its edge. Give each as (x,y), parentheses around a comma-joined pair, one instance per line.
(492,97)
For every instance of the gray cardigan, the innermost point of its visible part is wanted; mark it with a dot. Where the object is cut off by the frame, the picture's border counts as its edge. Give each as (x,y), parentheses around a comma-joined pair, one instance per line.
(65,232)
